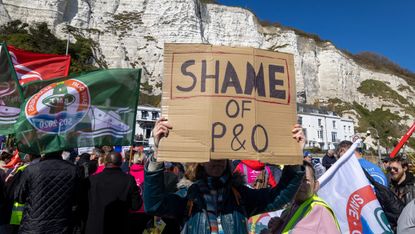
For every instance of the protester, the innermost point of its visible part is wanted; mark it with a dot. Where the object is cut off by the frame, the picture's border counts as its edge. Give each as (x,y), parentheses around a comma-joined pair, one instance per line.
(101,164)
(257,175)
(83,164)
(216,202)
(12,180)
(318,168)
(171,177)
(308,213)
(48,189)
(406,222)
(371,168)
(4,209)
(138,219)
(329,159)
(385,164)
(111,194)
(402,181)
(125,166)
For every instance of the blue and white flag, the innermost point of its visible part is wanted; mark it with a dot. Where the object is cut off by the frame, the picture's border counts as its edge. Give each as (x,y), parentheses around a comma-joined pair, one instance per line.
(346,189)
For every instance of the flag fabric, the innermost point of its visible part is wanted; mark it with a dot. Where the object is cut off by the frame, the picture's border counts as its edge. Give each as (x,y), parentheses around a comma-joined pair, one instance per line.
(95,109)
(348,192)
(10,93)
(32,66)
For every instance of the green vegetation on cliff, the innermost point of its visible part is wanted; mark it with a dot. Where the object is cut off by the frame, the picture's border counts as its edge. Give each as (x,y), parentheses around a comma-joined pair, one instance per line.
(39,38)
(384,121)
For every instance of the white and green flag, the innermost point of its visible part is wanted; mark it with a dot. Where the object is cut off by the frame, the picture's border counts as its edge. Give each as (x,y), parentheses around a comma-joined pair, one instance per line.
(95,109)
(10,93)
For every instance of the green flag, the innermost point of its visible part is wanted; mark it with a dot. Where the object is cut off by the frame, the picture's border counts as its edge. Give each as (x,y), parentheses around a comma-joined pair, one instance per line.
(95,109)
(10,93)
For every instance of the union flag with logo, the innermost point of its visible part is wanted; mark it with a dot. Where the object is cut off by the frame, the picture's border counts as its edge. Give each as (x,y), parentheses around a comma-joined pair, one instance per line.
(98,108)
(10,93)
(348,192)
(30,66)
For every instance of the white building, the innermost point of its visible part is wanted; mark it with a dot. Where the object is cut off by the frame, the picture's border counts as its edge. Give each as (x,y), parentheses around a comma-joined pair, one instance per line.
(145,120)
(324,129)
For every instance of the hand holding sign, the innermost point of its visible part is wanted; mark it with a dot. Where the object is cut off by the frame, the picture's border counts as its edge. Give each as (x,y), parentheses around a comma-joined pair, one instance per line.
(161,129)
(298,135)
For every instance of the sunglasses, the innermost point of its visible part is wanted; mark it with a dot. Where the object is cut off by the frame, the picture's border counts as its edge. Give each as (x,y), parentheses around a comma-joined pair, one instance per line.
(393,169)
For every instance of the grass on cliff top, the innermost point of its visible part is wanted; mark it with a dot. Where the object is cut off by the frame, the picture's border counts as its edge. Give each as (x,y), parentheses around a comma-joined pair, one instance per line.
(384,121)
(376,88)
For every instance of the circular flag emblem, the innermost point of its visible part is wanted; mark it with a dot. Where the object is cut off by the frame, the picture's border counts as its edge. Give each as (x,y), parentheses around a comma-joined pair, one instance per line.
(58,107)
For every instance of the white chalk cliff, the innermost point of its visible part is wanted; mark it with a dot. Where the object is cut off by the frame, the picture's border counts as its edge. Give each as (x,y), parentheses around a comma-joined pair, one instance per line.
(132,33)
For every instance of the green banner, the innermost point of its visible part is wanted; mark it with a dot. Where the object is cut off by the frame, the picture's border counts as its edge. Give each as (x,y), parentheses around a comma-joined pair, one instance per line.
(98,108)
(10,93)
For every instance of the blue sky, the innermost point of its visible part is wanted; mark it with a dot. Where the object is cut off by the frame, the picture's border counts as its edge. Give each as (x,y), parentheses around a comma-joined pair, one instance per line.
(383,26)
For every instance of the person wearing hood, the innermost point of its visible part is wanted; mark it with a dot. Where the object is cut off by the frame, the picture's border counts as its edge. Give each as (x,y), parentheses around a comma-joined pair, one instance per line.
(215,202)
(257,174)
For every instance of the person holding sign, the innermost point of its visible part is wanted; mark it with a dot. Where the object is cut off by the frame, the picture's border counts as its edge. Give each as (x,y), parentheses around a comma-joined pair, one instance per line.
(216,202)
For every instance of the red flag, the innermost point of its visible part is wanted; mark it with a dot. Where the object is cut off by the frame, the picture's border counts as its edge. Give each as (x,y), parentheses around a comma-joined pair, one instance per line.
(31,66)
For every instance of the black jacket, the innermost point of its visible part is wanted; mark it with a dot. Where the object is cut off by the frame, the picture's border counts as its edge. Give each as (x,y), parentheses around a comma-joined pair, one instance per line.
(405,190)
(111,194)
(328,161)
(49,190)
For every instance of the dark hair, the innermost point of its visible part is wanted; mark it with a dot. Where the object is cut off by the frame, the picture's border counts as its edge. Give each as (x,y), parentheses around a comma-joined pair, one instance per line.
(195,171)
(6,153)
(308,164)
(114,159)
(343,145)
(400,160)
(84,158)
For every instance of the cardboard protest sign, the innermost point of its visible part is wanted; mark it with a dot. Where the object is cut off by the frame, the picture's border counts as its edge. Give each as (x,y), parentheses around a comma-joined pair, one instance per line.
(234,103)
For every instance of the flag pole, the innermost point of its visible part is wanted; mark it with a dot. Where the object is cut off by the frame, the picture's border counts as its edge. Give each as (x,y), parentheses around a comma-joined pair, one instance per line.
(67,41)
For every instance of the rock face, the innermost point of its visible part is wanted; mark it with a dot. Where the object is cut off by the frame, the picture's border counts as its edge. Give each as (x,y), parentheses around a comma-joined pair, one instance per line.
(131,33)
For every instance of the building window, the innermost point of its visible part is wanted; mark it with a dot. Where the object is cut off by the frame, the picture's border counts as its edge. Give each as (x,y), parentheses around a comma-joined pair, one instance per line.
(334,123)
(154,115)
(350,129)
(344,128)
(333,136)
(144,114)
(305,132)
(300,120)
(319,122)
(320,134)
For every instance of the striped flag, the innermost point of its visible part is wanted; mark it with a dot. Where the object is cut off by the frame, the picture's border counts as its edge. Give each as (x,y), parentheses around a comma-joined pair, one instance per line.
(32,66)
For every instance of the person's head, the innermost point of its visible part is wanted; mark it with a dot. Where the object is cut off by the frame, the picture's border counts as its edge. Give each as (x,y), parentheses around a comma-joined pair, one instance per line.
(113,159)
(215,168)
(307,156)
(107,148)
(138,158)
(343,146)
(6,155)
(57,155)
(330,153)
(397,168)
(385,163)
(309,186)
(30,157)
(84,158)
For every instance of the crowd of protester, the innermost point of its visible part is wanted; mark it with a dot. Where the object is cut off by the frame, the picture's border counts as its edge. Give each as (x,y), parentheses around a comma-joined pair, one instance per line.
(109,192)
